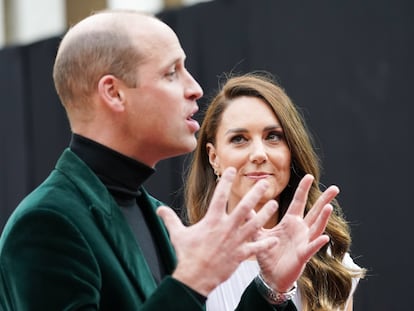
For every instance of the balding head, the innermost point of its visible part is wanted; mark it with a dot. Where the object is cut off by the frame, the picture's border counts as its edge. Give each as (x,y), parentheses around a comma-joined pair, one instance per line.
(103,43)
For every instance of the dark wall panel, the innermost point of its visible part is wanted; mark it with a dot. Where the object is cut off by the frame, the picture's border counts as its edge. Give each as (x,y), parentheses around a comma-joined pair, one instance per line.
(13,143)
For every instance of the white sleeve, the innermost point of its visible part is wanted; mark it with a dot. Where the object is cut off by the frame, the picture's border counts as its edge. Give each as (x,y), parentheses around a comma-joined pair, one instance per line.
(349,263)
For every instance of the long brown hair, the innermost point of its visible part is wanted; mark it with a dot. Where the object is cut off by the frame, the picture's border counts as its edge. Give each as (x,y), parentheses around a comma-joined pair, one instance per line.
(326,283)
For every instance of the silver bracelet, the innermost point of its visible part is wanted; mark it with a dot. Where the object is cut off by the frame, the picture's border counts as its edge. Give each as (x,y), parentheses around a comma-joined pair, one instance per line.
(273,297)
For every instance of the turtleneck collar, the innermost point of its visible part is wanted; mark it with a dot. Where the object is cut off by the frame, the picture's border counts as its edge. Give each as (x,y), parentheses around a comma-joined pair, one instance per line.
(122,175)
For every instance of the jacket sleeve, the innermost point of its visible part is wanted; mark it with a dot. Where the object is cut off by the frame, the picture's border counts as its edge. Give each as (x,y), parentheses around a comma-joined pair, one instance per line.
(252,300)
(172,295)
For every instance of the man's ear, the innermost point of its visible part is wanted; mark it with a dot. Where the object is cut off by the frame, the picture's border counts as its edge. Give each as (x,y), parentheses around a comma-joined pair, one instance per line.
(111,92)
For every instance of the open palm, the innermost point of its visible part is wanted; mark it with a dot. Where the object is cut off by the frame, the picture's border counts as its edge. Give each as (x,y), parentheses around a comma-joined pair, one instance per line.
(299,238)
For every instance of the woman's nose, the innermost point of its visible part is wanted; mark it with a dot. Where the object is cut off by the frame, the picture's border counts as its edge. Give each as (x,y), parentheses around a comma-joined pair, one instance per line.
(258,153)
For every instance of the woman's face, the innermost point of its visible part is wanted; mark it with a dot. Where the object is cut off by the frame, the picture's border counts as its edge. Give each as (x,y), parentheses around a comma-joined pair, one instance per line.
(251,139)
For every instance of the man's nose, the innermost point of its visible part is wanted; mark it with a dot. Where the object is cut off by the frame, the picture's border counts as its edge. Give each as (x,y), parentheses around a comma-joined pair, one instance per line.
(193,90)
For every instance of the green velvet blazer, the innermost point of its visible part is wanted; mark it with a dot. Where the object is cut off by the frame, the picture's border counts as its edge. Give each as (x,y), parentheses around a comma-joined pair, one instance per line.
(67,246)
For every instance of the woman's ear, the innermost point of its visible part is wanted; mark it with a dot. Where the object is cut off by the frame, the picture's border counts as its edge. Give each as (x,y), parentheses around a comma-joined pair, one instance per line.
(212,156)
(110,90)
(214,160)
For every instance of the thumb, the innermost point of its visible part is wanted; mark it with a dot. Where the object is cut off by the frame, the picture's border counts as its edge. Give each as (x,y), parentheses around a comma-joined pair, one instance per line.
(170,219)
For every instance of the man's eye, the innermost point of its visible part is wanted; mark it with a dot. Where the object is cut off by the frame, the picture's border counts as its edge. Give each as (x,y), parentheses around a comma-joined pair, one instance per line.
(171,73)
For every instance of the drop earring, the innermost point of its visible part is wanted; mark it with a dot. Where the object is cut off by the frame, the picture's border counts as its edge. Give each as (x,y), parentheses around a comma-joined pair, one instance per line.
(217,175)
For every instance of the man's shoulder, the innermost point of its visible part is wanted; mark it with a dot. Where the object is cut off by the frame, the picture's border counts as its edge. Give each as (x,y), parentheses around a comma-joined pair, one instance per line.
(67,192)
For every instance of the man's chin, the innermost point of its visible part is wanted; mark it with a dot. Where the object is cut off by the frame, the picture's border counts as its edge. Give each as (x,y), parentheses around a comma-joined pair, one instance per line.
(191,145)
(185,149)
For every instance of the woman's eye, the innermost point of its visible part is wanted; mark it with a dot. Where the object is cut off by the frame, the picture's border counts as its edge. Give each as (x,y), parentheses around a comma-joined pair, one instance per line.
(275,136)
(237,139)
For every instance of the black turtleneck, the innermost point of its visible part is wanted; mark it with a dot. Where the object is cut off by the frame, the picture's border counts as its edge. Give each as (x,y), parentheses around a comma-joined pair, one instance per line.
(123,176)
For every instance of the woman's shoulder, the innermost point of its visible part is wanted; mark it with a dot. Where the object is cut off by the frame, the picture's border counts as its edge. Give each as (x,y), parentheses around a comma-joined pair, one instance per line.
(349,262)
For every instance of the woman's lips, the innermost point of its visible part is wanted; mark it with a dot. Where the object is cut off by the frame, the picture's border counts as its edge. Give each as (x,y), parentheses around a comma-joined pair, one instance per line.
(257,176)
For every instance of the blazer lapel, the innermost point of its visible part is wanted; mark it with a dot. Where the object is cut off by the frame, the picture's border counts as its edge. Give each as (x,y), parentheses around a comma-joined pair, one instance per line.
(111,222)
(123,243)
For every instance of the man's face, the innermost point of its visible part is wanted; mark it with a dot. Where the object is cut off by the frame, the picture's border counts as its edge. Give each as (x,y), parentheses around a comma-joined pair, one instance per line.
(164,101)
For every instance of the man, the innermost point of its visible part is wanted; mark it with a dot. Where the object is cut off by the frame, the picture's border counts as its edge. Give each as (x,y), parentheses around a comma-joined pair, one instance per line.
(89,237)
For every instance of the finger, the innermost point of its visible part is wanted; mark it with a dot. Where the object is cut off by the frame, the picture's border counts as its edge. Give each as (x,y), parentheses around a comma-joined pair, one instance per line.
(259,246)
(171,220)
(243,209)
(297,206)
(325,198)
(254,224)
(318,227)
(218,202)
(253,213)
(314,246)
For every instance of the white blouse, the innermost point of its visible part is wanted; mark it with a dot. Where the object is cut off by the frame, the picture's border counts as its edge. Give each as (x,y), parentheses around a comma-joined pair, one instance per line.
(227,295)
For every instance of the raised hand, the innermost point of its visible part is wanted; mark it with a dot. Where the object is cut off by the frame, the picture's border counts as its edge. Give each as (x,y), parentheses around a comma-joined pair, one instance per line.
(298,238)
(209,251)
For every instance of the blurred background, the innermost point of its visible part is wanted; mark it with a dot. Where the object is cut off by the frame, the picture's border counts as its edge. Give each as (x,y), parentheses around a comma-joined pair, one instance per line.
(347,65)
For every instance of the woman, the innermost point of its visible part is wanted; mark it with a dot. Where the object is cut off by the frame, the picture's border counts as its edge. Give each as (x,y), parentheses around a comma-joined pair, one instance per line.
(252,125)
